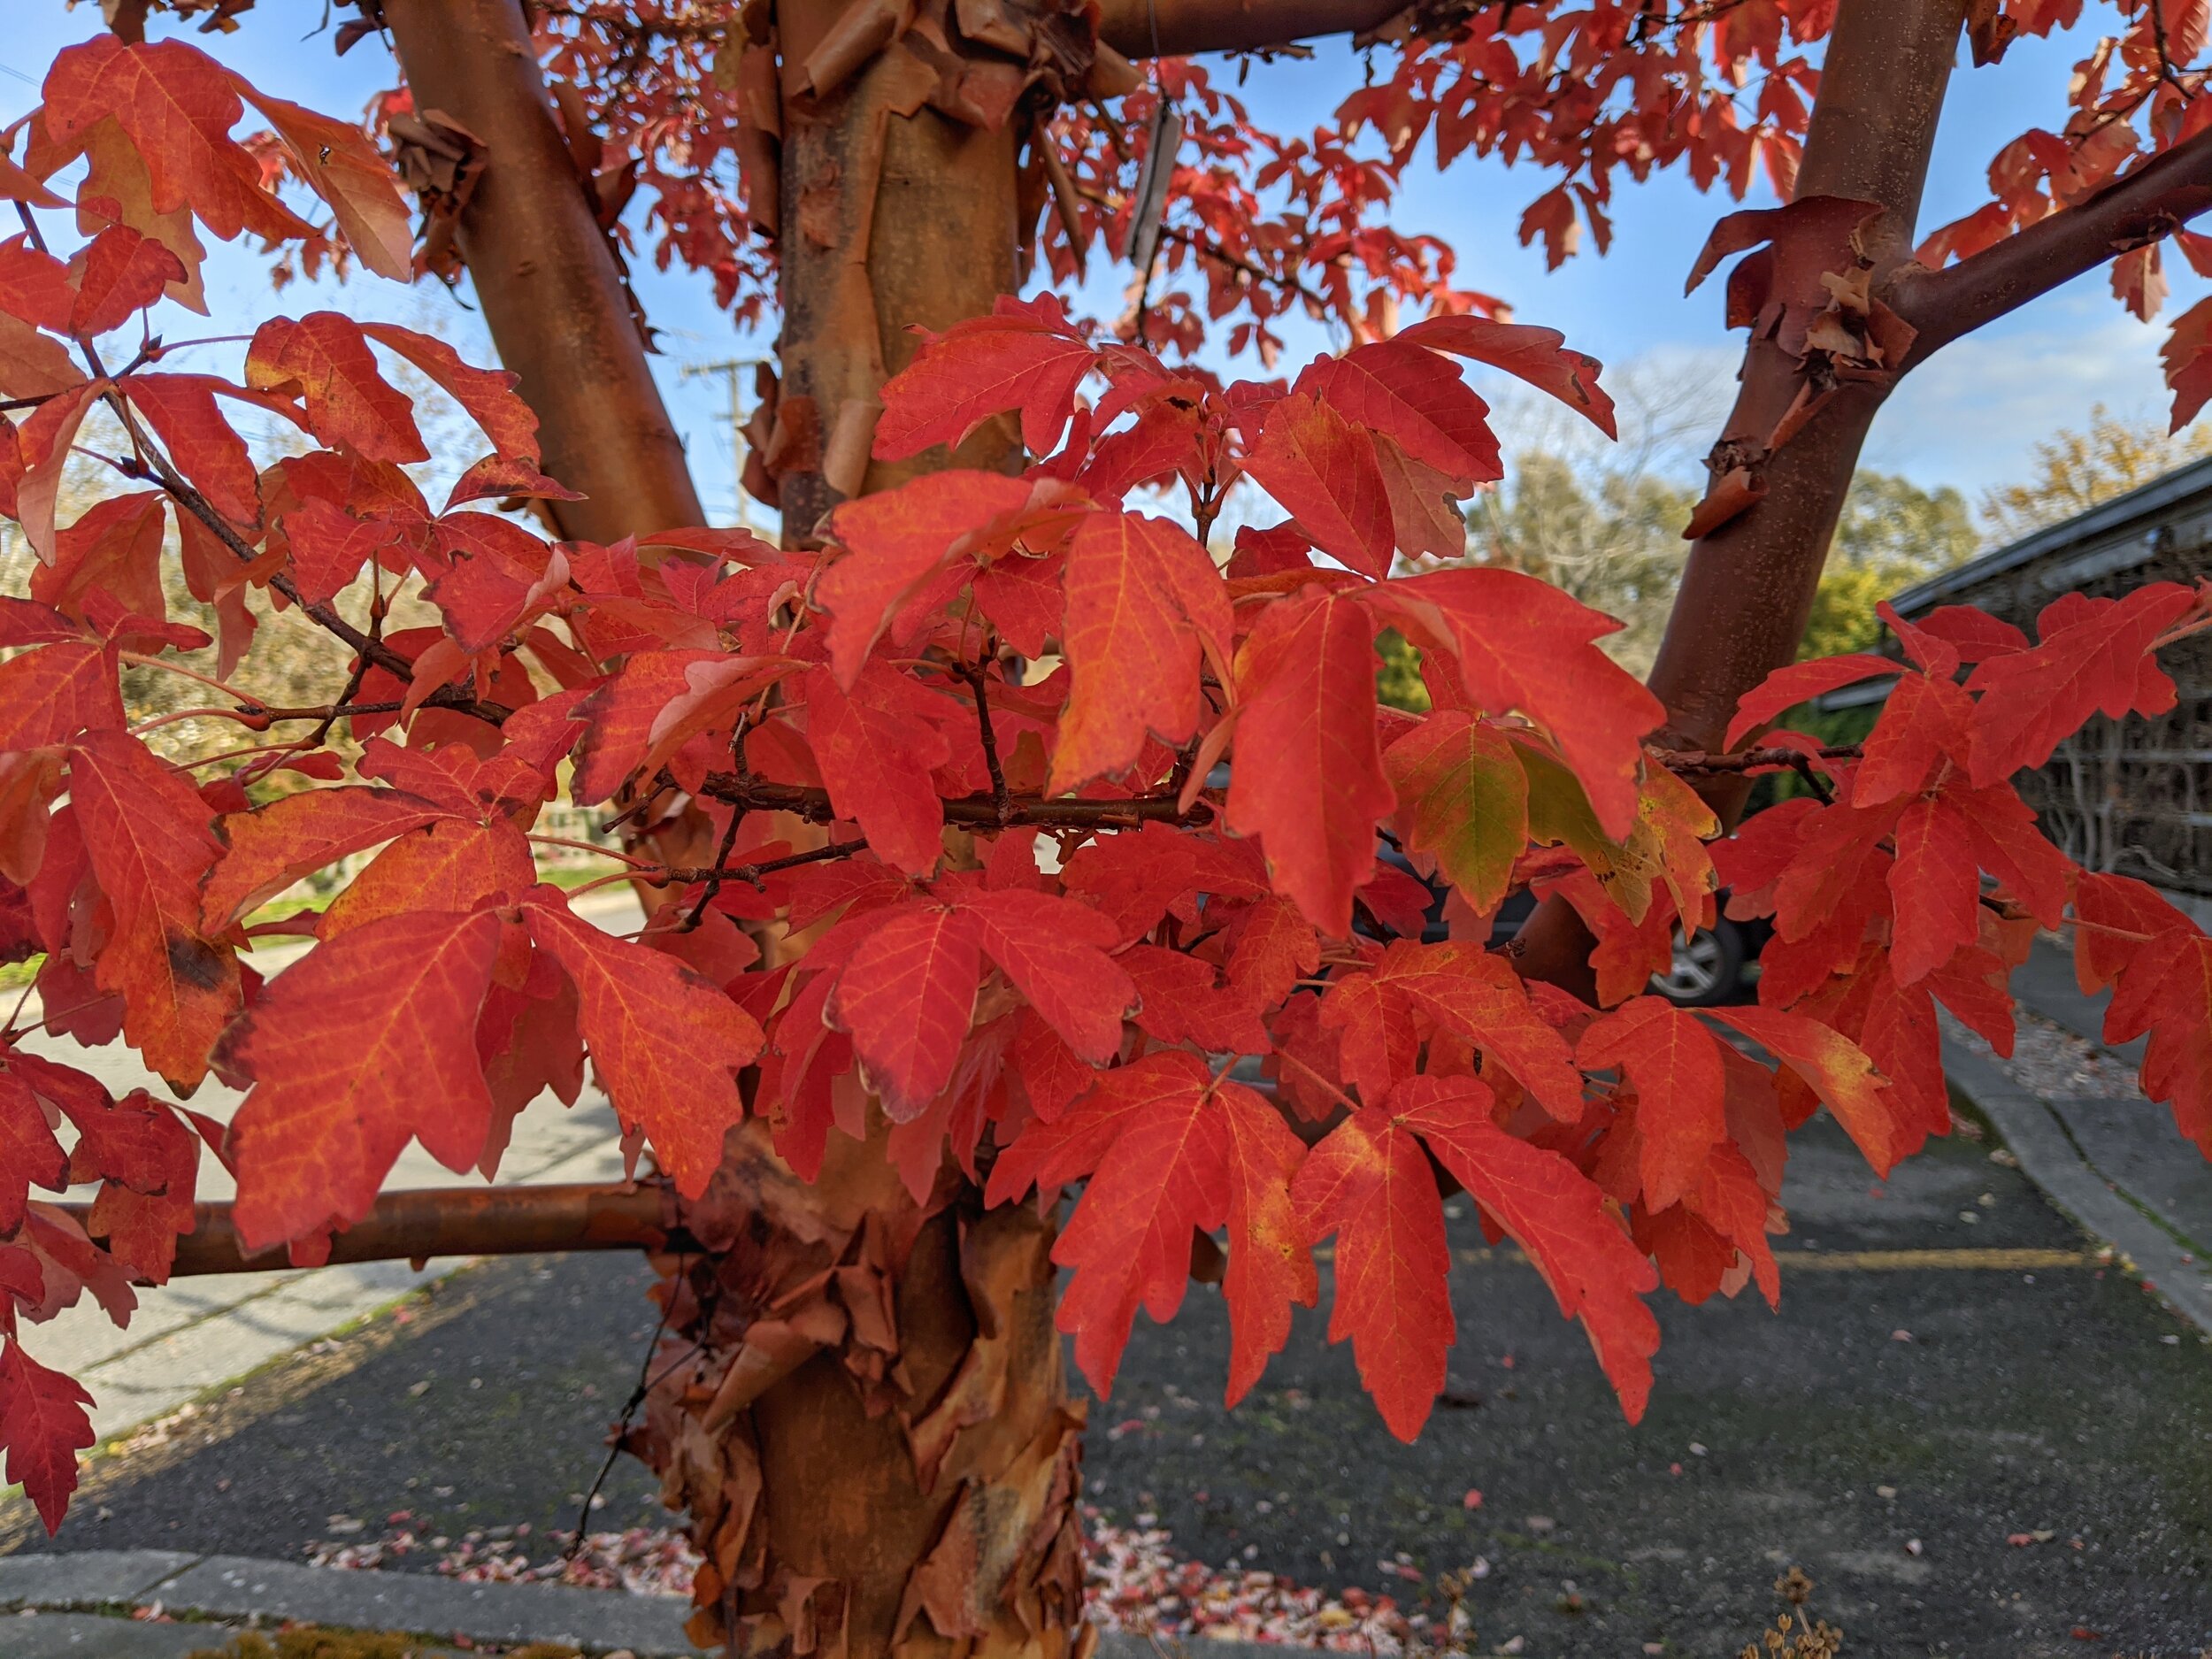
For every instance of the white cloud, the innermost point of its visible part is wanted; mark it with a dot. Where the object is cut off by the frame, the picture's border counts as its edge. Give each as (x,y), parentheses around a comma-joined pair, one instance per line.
(1972,413)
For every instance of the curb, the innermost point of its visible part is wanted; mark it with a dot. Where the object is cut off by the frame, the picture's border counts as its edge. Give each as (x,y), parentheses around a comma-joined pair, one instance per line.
(218,1587)
(75,1605)
(2049,1158)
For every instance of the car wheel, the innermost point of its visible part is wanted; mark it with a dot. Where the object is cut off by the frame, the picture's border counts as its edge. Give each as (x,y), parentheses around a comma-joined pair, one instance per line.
(1707,967)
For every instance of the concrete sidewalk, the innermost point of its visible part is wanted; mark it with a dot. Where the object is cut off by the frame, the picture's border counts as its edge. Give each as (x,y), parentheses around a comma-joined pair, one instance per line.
(196,1333)
(2068,1109)
(53,1607)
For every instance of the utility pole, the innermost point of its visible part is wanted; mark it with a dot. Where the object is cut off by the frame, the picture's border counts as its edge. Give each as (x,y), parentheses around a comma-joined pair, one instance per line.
(729,369)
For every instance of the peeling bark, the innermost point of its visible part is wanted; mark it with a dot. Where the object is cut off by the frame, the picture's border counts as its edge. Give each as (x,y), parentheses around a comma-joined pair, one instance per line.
(865,1410)
(895,216)
(870,1426)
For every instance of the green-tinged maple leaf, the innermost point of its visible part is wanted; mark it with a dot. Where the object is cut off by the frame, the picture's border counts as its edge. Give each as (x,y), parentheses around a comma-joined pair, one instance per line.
(1521,645)
(1464,798)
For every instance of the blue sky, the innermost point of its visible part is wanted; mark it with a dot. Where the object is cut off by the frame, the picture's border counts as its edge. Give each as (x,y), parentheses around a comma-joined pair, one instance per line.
(1968,418)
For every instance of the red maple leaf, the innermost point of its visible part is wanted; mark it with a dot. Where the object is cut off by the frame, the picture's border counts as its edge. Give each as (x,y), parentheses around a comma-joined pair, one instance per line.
(1308,778)
(44,1423)
(1168,1148)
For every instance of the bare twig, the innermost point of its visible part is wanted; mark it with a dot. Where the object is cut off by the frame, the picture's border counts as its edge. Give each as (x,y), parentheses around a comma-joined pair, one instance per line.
(972,672)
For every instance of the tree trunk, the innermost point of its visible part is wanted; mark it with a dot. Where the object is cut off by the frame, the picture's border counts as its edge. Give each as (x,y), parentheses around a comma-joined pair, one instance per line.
(1748,589)
(861,1401)
(545,275)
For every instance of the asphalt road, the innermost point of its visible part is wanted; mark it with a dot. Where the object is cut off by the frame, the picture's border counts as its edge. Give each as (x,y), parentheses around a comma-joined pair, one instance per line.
(1890,1431)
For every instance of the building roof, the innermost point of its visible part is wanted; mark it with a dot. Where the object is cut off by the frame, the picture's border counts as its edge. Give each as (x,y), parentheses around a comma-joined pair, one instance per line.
(2113,535)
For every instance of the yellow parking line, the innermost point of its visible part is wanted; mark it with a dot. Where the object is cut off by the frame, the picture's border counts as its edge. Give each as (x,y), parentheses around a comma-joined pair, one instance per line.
(1883,1261)
(1908,1261)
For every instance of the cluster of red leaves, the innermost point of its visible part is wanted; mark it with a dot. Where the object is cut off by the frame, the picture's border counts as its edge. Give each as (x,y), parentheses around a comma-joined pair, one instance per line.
(1041,930)
(1262,224)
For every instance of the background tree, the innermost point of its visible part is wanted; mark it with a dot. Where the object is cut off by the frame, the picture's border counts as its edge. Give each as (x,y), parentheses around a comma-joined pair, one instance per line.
(2075,469)
(840,742)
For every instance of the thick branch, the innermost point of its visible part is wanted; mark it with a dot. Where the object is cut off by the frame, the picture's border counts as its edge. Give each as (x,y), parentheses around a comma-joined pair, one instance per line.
(449,1221)
(974,811)
(544,273)
(1175,28)
(2141,207)
(1748,588)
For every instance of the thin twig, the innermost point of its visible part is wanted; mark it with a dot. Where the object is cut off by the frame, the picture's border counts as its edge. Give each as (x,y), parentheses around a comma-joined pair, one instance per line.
(729,833)
(972,672)
(750,875)
(646,1383)
(973,811)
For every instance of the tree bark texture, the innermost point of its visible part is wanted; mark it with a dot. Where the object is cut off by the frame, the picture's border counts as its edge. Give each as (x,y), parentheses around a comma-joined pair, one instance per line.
(1748,590)
(1747,586)
(895,216)
(545,275)
(870,1423)
(861,1401)
(863,1406)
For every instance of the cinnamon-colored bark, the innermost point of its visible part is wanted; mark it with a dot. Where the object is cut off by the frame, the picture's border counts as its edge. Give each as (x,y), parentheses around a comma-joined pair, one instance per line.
(895,217)
(2140,207)
(1175,28)
(544,273)
(871,1429)
(1748,589)
(1747,586)
(416,1225)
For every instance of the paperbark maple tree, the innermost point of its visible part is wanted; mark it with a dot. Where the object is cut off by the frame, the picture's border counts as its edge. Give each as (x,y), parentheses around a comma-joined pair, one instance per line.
(947,907)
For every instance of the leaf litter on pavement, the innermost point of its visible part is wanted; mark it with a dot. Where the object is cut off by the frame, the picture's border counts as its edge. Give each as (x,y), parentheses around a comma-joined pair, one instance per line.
(1137,1583)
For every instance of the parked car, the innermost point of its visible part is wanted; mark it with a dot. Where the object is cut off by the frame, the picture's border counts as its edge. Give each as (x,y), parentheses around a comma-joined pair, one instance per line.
(1718,965)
